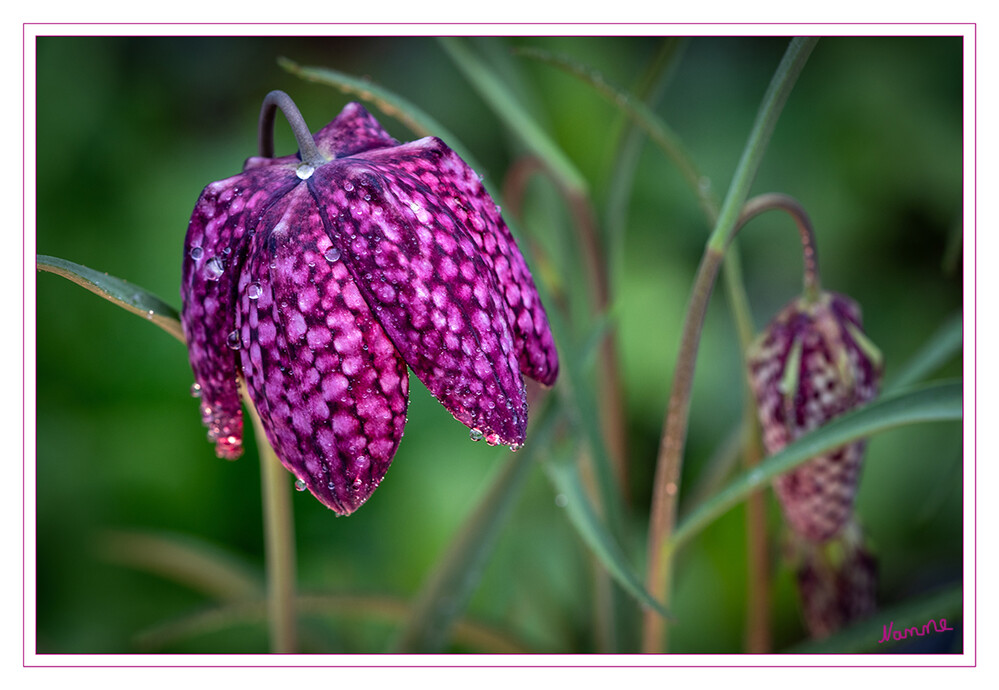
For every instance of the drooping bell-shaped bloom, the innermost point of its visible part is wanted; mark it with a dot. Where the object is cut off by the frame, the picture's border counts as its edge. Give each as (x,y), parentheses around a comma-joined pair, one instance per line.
(813,363)
(319,282)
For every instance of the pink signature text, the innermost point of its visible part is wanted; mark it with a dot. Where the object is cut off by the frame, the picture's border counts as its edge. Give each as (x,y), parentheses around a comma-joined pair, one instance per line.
(930,626)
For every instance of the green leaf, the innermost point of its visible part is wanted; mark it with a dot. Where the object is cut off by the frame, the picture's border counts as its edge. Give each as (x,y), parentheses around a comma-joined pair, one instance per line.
(935,352)
(446,591)
(931,403)
(866,635)
(564,475)
(520,123)
(131,297)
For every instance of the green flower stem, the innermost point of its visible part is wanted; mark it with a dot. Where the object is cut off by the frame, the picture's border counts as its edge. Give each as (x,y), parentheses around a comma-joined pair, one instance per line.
(669,463)
(307,148)
(279,544)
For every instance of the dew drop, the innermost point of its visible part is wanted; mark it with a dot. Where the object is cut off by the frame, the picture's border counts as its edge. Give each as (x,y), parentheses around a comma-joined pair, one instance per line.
(304,171)
(196,252)
(332,254)
(348,187)
(195,390)
(493,439)
(561,500)
(476,434)
(233,340)
(227,251)
(515,447)
(214,268)
(299,485)
(254,291)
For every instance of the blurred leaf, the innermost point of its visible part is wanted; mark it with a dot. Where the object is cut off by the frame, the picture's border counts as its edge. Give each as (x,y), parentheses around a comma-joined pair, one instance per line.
(865,636)
(185,560)
(116,290)
(641,115)
(363,607)
(446,592)
(565,476)
(931,403)
(941,346)
(508,109)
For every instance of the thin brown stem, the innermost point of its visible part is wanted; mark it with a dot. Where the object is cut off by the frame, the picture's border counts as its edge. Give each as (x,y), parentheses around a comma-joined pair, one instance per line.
(612,406)
(667,478)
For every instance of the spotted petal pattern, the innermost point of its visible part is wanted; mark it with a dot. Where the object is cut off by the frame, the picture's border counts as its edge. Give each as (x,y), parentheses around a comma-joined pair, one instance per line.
(318,285)
(811,364)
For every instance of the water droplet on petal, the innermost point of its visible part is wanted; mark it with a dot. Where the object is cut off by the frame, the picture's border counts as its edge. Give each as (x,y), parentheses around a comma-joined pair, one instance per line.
(348,186)
(195,390)
(233,340)
(515,447)
(476,434)
(254,291)
(196,252)
(493,439)
(214,268)
(304,171)
(299,485)
(332,254)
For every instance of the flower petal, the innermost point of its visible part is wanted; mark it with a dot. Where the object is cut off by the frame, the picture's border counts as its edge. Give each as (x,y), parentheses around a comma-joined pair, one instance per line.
(460,185)
(353,131)
(436,298)
(215,247)
(329,386)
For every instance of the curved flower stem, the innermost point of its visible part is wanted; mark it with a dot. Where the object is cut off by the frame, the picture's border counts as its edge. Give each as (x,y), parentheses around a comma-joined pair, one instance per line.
(783,202)
(307,148)
(279,544)
(665,491)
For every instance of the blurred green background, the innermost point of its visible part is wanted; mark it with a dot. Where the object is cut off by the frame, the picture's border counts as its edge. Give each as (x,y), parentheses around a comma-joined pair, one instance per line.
(131,129)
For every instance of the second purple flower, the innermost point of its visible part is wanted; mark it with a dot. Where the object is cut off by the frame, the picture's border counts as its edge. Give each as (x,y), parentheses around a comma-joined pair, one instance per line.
(318,278)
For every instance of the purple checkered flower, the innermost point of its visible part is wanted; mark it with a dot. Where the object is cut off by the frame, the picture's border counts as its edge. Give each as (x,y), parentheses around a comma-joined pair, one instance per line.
(811,364)
(318,278)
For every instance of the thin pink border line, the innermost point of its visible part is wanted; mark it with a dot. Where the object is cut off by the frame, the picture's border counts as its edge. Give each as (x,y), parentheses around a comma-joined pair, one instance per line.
(974,30)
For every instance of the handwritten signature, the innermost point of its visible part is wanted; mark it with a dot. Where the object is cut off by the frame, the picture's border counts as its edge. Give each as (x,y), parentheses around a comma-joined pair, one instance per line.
(930,626)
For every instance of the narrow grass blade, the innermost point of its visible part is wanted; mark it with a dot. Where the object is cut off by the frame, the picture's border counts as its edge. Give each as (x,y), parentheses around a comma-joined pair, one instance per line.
(446,592)
(564,475)
(640,114)
(352,606)
(941,346)
(931,403)
(131,297)
(507,108)
(202,566)
(866,635)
